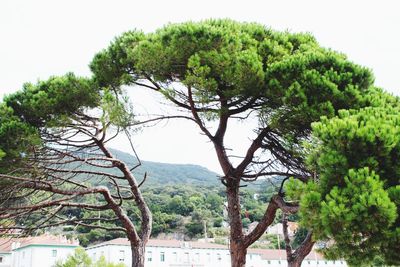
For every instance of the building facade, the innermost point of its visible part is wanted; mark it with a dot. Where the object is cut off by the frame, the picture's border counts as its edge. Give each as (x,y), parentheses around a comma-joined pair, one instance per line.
(174,253)
(5,253)
(38,251)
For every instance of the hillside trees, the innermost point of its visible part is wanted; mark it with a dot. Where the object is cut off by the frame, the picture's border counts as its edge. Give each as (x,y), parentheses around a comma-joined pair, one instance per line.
(54,137)
(219,71)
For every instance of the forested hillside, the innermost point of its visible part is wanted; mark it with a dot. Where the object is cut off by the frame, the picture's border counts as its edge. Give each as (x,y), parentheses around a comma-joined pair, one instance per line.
(166,173)
(186,200)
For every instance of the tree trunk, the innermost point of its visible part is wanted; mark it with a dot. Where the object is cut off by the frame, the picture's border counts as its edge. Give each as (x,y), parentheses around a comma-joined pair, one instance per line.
(295,263)
(296,259)
(238,255)
(138,254)
(237,248)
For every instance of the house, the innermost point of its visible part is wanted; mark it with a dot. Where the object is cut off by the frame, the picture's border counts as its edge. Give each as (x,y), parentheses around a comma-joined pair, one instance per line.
(175,253)
(5,252)
(37,251)
(277,229)
(275,257)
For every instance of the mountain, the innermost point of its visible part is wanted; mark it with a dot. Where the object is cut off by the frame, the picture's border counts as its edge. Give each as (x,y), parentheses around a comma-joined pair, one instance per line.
(168,173)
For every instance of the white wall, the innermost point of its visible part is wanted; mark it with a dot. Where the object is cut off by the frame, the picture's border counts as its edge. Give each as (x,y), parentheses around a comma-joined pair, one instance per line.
(192,257)
(40,256)
(186,256)
(5,259)
(163,256)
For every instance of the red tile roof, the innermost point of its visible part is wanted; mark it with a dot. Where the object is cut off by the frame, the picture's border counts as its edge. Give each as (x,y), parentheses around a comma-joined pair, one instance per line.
(269,254)
(276,254)
(6,243)
(166,243)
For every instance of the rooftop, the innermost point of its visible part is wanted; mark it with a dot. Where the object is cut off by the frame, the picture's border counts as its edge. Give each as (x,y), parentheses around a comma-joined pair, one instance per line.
(165,243)
(8,244)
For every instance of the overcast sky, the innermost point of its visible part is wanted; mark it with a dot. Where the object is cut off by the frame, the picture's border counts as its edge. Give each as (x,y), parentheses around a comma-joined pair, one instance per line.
(42,38)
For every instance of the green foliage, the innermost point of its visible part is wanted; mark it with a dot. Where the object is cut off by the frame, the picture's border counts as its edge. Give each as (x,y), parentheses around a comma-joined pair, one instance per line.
(182,208)
(355,202)
(165,223)
(286,78)
(81,259)
(113,65)
(116,111)
(48,103)
(16,138)
(274,242)
(299,237)
(246,222)
(169,174)
(103,263)
(52,101)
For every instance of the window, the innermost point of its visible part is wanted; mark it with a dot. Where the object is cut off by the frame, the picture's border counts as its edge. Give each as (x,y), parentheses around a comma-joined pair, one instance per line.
(54,253)
(269,262)
(175,255)
(219,257)
(162,256)
(149,256)
(122,255)
(186,258)
(1,259)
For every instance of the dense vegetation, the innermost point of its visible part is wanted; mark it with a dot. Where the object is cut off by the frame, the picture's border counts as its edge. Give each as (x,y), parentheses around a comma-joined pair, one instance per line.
(184,208)
(81,258)
(169,174)
(357,199)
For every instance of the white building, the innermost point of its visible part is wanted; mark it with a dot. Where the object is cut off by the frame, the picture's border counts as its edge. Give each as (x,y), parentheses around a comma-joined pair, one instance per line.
(277,229)
(163,253)
(5,252)
(174,253)
(38,251)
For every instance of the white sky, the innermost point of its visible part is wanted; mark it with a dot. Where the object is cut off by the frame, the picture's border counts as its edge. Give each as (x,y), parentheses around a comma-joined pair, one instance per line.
(51,37)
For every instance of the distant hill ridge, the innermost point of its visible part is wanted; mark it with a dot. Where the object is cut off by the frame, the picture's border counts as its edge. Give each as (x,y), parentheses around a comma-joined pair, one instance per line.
(169,173)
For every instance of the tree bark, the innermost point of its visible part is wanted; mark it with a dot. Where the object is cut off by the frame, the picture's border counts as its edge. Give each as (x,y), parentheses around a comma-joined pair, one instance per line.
(297,257)
(138,254)
(294,263)
(237,247)
(238,255)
